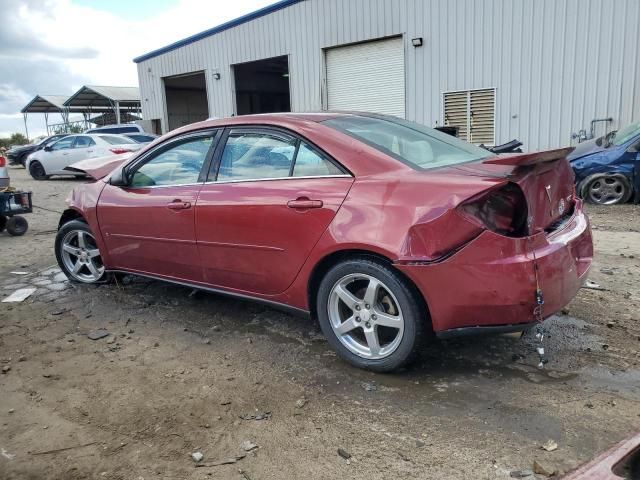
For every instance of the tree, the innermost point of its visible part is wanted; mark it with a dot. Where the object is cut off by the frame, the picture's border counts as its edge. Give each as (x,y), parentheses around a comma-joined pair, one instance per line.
(71,128)
(14,139)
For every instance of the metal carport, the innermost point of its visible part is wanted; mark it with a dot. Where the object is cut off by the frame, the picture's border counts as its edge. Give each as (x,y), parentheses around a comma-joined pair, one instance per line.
(98,99)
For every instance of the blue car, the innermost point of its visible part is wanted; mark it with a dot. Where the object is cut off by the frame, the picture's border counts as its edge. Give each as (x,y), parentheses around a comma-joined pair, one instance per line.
(608,168)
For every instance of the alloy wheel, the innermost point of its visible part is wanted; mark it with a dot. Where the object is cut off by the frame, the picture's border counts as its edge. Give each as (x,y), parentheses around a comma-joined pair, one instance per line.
(606,191)
(81,256)
(365,316)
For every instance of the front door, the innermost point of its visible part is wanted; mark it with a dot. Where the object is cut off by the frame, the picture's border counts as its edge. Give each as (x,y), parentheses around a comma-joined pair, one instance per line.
(148,225)
(258,219)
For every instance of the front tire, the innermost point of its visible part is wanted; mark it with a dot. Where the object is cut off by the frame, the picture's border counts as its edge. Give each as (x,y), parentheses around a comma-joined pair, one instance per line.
(78,254)
(371,315)
(37,171)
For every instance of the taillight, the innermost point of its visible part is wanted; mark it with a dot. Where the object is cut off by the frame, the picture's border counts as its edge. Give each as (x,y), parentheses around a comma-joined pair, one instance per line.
(3,161)
(118,151)
(503,211)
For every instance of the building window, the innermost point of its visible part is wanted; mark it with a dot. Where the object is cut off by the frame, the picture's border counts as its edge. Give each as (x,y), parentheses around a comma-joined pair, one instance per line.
(473,112)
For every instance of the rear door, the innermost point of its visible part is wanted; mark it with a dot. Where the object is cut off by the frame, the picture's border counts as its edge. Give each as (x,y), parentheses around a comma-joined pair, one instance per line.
(83,147)
(58,157)
(149,225)
(269,197)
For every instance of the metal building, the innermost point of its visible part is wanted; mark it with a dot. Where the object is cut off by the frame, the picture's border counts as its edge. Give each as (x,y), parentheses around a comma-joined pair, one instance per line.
(536,70)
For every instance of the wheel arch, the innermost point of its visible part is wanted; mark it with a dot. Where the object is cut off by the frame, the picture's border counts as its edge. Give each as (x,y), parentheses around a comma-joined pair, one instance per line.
(331,259)
(70,214)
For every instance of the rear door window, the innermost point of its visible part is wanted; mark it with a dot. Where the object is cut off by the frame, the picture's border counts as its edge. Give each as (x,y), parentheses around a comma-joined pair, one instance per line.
(256,155)
(116,139)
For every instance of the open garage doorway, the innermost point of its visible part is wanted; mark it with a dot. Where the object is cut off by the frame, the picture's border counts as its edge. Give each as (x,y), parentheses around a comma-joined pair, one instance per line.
(186,97)
(262,86)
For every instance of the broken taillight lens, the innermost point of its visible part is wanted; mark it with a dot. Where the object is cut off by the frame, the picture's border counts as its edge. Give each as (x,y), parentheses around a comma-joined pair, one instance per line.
(503,210)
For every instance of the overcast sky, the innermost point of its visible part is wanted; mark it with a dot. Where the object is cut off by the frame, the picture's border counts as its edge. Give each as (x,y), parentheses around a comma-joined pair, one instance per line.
(56,46)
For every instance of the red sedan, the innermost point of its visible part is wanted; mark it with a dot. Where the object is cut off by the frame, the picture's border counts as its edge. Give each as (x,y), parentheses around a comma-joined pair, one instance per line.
(384,230)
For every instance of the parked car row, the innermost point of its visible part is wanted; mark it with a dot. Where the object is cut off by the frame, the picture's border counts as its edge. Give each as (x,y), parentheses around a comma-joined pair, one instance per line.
(52,154)
(52,159)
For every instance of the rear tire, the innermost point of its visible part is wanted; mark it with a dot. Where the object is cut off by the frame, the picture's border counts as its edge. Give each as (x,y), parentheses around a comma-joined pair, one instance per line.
(17,226)
(3,222)
(371,315)
(37,171)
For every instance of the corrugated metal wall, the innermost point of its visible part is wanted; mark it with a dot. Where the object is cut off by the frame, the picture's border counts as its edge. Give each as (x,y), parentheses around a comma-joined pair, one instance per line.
(555,64)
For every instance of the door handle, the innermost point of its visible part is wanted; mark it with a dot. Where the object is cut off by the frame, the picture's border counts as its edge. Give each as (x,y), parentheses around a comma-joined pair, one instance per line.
(89,151)
(178,205)
(304,203)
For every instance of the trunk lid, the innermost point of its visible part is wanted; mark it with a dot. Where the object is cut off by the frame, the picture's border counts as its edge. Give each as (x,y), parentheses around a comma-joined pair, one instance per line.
(545,178)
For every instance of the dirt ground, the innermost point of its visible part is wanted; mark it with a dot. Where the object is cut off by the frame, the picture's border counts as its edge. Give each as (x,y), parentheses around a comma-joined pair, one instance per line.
(184,372)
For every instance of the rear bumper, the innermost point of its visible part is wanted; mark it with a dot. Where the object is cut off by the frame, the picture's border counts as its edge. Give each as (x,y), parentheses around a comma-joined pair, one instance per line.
(491,282)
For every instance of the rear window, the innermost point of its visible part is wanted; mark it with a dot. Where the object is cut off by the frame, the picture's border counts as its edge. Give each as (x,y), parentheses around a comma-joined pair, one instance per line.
(415,145)
(116,139)
(142,138)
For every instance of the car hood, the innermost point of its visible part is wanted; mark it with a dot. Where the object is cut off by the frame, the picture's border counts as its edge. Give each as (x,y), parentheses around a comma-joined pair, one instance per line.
(585,148)
(99,167)
(23,148)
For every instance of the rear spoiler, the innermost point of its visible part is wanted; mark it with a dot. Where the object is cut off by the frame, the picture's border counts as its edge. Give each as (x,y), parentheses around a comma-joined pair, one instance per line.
(523,159)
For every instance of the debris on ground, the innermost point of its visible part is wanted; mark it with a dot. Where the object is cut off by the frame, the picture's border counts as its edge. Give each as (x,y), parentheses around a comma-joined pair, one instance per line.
(543,469)
(549,446)
(256,416)
(19,273)
(19,295)
(301,402)
(590,285)
(370,387)
(225,461)
(521,473)
(6,368)
(344,454)
(607,271)
(197,456)
(248,446)
(97,334)
(7,455)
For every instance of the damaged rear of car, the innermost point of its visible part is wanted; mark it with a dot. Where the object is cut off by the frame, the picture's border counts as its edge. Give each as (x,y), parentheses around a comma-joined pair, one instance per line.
(496,243)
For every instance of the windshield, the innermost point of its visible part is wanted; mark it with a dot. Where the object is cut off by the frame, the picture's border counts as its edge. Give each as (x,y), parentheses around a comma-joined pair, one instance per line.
(416,145)
(625,134)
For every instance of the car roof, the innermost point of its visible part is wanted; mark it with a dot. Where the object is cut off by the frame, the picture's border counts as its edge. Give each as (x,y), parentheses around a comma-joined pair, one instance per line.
(285,119)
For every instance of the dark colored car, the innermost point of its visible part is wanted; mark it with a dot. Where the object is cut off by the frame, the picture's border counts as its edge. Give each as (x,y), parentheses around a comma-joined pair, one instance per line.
(18,155)
(607,169)
(385,230)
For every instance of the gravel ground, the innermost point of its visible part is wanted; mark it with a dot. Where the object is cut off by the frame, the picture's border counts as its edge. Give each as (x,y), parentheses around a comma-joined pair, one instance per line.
(183,372)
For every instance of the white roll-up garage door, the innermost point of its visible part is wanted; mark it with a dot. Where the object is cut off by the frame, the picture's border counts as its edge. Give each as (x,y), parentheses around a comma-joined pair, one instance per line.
(367,77)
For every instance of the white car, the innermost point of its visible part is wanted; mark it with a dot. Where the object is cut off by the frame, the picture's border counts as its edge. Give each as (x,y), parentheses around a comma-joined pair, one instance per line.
(53,159)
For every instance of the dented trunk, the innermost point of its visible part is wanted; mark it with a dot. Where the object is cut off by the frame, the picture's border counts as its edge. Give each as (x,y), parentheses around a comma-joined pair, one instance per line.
(546,179)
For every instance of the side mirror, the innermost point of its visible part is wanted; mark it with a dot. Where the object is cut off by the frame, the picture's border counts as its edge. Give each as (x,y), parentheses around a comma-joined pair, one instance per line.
(118,178)
(48,148)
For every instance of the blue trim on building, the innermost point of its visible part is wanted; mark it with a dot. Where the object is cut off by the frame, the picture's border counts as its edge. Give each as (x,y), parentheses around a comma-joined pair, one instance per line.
(220,28)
